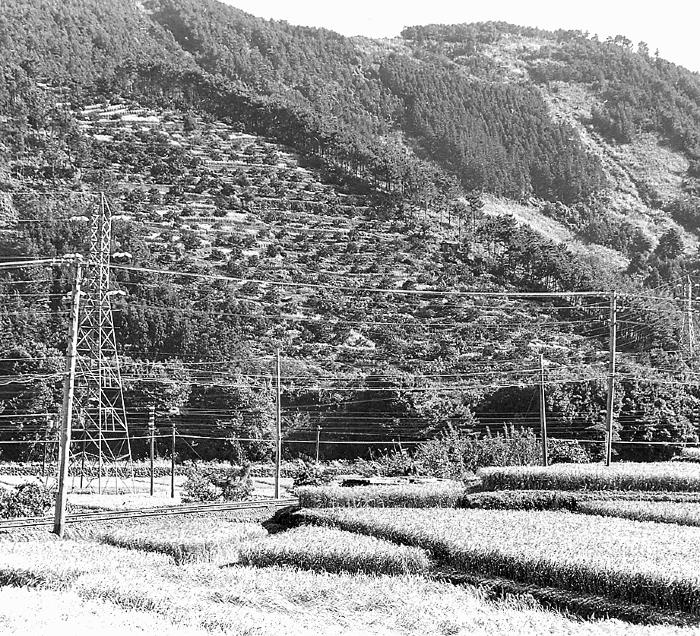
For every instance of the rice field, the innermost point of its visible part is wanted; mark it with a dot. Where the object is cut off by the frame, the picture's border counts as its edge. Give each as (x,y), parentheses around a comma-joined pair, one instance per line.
(660,476)
(686,514)
(443,494)
(625,560)
(185,541)
(332,550)
(82,587)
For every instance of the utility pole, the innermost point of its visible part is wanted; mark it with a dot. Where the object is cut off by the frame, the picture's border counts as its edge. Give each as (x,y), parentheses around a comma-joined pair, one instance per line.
(46,443)
(689,317)
(278,430)
(172,464)
(611,378)
(318,441)
(59,525)
(152,432)
(543,415)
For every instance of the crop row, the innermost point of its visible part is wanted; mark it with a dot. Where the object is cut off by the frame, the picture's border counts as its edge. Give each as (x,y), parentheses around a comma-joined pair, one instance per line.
(662,476)
(624,560)
(446,494)
(332,550)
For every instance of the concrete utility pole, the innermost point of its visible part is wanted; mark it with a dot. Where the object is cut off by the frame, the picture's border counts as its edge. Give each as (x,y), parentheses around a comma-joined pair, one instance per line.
(278,430)
(543,415)
(611,378)
(172,463)
(152,433)
(689,317)
(59,525)
(318,441)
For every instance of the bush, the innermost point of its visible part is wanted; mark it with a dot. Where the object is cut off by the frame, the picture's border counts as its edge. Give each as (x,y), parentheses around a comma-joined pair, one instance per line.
(311,474)
(457,456)
(399,464)
(566,452)
(26,500)
(218,484)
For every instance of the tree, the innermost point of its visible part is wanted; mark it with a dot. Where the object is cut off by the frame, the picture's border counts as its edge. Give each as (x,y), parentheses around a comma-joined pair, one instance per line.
(670,245)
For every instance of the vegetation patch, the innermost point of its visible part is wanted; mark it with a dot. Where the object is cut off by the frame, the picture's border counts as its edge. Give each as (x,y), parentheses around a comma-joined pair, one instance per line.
(217,484)
(661,476)
(186,541)
(685,514)
(203,597)
(521,500)
(624,560)
(30,499)
(444,494)
(333,550)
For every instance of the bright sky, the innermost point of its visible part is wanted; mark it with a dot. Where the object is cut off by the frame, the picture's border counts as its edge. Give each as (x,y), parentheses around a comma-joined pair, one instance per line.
(669,25)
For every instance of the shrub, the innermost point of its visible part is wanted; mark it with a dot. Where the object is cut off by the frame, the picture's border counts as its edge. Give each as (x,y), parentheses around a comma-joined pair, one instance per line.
(30,499)
(691,454)
(456,455)
(446,457)
(311,474)
(399,464)
(566,452)
(218,484)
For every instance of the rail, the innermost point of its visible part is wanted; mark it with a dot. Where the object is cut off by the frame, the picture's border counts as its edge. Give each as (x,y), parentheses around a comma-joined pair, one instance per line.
(109,515)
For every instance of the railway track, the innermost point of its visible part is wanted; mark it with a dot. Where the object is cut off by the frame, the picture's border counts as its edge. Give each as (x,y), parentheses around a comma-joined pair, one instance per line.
(160,511)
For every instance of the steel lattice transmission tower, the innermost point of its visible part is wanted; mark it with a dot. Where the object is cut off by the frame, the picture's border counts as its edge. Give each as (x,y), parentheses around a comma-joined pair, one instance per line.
(103,431)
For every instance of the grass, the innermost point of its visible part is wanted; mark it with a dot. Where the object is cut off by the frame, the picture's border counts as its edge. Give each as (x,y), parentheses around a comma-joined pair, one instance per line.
(132,590)
(661,476)
(444,494)
(521,500)
(333,550)
(185,540)
(28,612)
(623,560)
(686,514)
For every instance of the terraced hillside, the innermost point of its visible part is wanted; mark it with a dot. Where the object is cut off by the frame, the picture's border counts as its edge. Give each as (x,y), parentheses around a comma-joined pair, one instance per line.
(254,211)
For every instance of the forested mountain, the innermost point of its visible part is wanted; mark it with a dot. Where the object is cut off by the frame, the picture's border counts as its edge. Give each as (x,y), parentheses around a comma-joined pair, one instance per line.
(309,168)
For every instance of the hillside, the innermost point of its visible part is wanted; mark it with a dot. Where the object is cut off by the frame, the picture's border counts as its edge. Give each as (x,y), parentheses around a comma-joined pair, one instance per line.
(283,187)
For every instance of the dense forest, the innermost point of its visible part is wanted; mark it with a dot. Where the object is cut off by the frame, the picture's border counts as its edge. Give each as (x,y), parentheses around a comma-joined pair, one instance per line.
(303,168)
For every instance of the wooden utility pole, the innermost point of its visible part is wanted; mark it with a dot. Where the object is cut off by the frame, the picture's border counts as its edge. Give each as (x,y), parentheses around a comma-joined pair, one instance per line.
(543,415)
(318,441)
(172,464)
(152,432)
(278,430)
(611,379)
(59,525)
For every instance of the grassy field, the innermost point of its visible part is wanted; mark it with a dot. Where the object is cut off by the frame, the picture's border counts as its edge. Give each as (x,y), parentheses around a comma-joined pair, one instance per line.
(331,550)
(445,494)
(185,541)
(661,476)
(625,560)
(686,514)
(82,586)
